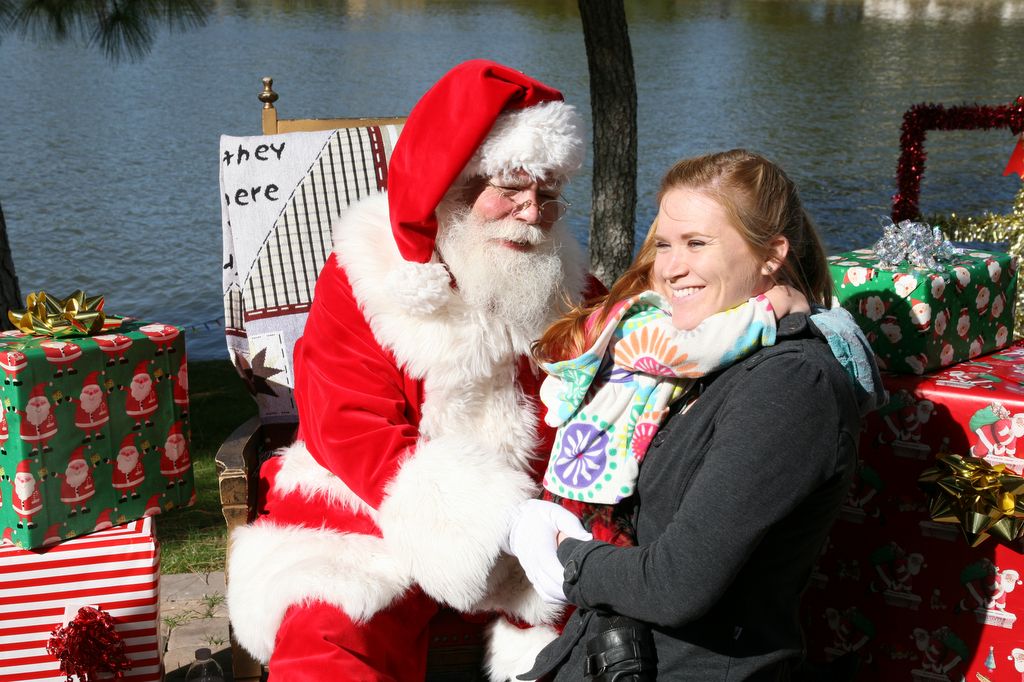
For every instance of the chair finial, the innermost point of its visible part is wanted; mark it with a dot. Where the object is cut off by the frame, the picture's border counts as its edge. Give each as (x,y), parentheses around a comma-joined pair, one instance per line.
(268,96)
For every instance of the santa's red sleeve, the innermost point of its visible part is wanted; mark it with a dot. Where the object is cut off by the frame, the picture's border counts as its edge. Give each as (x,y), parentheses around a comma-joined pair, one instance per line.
(358,413)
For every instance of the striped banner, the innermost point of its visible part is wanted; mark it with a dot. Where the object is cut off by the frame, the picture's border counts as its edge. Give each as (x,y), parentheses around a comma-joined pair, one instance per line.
(116,570)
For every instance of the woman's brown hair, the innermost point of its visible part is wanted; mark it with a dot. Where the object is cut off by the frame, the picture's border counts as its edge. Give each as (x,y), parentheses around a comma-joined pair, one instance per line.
(764,204)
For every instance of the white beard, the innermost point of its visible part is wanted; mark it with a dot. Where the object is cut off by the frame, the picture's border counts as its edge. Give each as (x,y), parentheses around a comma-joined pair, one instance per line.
(90,400)
(126,462)
(76,476)
(140,388)
(37,411)
(25,488)
(522,288)
(174,446)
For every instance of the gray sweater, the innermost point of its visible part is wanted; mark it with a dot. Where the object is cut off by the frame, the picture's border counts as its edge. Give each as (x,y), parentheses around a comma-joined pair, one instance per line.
(734,502)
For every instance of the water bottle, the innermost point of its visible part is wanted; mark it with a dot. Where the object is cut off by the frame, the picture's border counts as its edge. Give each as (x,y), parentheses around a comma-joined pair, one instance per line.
(204,668)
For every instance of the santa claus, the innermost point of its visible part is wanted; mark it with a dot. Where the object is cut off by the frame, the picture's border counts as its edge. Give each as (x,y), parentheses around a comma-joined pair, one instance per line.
(174,460)
(153,506)
(92,413)
(963,277)
(418,431)
(103,521)
(994,269)
(891,329)
(941,650)
(941,321)
(12,362)
(4,431)
(162,336)
(180,380)
(856,276)
(26,500)
(981,300)
(141,401)
(78,486)
(872,307)
(114,346)
(905,415)
(920,315)
(904,284)
(995,431)
(38,422)
(998,303)
(62,355)
(963,323)
(987,586)
(128,472)
(52,536)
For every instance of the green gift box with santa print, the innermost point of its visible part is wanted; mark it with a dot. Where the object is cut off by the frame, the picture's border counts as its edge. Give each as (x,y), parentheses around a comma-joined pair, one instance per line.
(918,319)
(93,430)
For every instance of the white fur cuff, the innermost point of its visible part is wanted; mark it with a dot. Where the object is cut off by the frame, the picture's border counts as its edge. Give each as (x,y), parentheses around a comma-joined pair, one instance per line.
(419,288)
(273,567)
(446,514)
(512,651)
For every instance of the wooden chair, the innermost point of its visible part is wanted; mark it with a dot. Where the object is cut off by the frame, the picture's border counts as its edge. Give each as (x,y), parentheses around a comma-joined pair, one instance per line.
(251,316)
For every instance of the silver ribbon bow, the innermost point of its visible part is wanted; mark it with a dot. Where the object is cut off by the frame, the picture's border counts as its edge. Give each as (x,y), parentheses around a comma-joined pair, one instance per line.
(922,246)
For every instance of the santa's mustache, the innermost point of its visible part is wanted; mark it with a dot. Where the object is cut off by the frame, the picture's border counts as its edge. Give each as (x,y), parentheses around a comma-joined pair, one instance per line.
(516,231)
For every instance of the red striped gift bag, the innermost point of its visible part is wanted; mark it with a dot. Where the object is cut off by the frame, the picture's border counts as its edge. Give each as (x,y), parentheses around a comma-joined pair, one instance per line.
(116,570)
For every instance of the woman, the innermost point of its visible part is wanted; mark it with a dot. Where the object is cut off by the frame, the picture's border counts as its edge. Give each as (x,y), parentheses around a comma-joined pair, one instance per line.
(741,484)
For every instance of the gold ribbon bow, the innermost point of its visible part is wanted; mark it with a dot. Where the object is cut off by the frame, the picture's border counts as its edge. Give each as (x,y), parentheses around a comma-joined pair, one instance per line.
(983,499)
(76,315)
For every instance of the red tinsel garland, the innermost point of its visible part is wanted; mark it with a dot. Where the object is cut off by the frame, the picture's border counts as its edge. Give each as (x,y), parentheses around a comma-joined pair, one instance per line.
(88,645)
(921,118)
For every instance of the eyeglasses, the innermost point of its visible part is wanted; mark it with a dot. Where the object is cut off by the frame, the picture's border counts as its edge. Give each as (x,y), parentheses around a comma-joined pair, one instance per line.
(549,210)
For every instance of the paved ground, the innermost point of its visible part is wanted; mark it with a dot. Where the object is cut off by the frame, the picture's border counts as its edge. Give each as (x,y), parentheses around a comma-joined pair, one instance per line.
(193,615)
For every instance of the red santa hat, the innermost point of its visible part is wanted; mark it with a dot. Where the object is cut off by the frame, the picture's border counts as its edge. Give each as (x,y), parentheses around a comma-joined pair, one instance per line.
(153,506)
(52,535)
(77,454)
(24,467)
(39,391)
(128,441)
(480,119)
(103,520)
(91,378)
(141,368)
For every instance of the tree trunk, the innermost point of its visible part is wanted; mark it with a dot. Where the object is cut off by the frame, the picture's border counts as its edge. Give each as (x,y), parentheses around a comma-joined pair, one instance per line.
(613,104)
(10,292)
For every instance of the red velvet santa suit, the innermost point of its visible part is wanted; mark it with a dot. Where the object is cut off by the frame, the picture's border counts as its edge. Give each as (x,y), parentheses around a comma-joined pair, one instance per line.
(425,431)
(418,433)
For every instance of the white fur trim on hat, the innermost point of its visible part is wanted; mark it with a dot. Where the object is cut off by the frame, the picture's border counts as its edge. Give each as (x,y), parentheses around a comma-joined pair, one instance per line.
(543,140)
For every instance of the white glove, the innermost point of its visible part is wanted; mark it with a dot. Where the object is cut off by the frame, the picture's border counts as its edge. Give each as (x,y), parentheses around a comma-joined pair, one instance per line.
(532,539)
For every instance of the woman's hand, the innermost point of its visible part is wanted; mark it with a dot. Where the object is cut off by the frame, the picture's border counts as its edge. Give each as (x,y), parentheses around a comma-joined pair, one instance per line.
(533,538)
(785,300)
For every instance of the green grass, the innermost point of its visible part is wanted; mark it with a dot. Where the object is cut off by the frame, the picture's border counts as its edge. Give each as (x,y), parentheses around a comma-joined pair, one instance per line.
(194,539)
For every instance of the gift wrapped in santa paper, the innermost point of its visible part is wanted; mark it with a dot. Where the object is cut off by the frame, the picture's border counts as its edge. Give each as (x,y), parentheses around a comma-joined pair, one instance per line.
(93,430)
(914,578)
(920,319)
(116,570)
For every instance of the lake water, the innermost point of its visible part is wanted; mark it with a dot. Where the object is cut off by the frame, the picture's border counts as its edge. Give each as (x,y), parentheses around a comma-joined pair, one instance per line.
(108,173)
